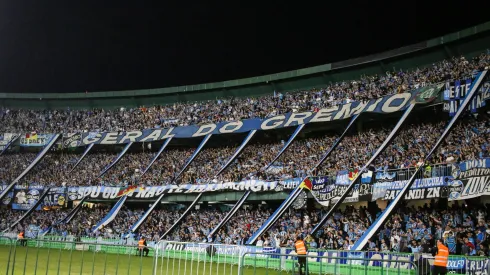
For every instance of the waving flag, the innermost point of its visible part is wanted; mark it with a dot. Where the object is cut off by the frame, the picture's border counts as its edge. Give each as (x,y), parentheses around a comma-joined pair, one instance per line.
(367,177)
(126,191)
(353,173)
(306,184)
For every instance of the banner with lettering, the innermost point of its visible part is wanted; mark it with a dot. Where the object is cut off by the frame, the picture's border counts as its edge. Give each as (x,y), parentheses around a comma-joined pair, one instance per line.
(71,140)
(477,266)
(319,186)
(455,92)
(470,164)
(26,197)
(384,105)
(34,139)
(383,181)
(342,178)
(470,179)
(332,192)
(427,188)
(56,197)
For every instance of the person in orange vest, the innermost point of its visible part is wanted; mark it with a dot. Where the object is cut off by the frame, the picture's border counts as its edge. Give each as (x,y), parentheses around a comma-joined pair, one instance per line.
(21,239)
(142,247)
(301,251)
(440,262)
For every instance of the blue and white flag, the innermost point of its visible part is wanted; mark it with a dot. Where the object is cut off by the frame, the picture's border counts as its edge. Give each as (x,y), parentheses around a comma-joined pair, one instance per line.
(367,177)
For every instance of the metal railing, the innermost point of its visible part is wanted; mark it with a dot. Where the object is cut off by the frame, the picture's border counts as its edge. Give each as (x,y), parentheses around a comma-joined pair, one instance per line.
(196,258)
(437,170)
(314,264)
(47,256)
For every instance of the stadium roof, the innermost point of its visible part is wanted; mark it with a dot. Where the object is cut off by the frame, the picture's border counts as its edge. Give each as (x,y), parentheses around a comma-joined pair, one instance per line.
(269,79)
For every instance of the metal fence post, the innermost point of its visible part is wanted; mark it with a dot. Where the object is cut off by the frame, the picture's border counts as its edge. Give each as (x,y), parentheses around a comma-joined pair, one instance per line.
(12,247)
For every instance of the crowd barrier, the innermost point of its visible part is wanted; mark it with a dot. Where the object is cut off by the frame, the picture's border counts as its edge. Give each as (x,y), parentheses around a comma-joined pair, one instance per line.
(315,264)
(49,256)
(245,258)
(437,170)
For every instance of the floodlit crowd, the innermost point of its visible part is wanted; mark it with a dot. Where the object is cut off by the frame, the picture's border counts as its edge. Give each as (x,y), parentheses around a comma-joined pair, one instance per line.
(230,109)
(468,140)
(465,229)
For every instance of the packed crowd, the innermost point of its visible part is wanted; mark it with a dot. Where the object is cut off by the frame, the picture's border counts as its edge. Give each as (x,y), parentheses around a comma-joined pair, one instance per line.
(36,223)
(468,140)
(81,224)
(230,109)
(466,231)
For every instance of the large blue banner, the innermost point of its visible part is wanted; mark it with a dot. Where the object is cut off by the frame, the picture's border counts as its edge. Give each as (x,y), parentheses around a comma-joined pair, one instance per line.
(384,105)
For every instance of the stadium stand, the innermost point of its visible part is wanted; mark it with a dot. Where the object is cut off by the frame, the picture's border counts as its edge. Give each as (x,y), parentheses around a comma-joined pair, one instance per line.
(464,227)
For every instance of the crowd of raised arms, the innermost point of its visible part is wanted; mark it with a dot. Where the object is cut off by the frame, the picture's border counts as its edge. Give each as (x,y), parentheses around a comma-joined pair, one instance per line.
(411,229)
(468,140)
(230,109)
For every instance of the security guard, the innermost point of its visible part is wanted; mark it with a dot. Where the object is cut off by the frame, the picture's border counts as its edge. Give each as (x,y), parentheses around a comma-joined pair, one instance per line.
(440,262)
(21,239)
(301,250)
(142,246)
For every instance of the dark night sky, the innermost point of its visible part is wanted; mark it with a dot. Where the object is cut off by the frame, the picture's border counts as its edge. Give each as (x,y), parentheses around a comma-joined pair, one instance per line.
(115,45)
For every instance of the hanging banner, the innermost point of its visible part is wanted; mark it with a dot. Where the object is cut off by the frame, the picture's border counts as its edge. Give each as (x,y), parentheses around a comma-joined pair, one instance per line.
(469,184)
(470,179)
(332,192)
(116,160)
(286,145)
(153,192)
(470,164)
(25,198)
(384,105)
(342,178)
(56,197)
(477,266)
(428,188)
(455,92)
(238,151)
(72,140)
(383,181)
(33,139)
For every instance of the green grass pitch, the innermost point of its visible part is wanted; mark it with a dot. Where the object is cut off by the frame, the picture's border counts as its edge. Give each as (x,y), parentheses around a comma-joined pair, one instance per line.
(31,260)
